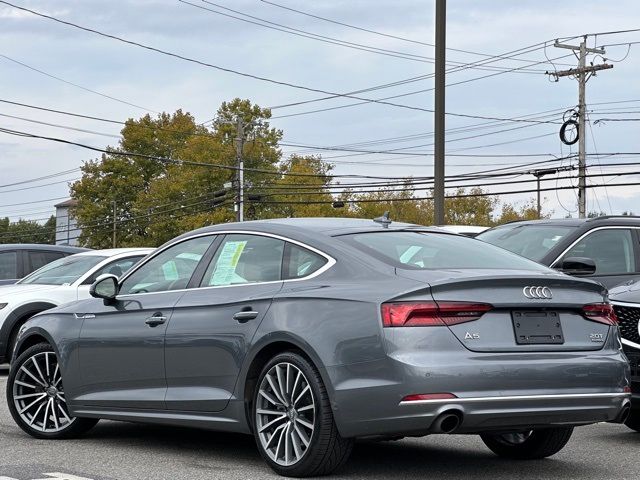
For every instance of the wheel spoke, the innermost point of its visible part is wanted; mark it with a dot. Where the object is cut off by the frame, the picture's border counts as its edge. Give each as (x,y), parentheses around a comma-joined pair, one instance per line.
(270,398)
(304,390)
(29,395)
(55,372)
(262,411)
(304,423)
(308,407)
(22,368)
(54,415)
(280,442)
(286,443)
(274,435)
(33,418)
(295,384)
(272,422)
(64,413)
(33,360)
(46,362)
(46,416)
(295,442)
(274,388)
(303,436)
(281,384)
(24,409)
(23,384)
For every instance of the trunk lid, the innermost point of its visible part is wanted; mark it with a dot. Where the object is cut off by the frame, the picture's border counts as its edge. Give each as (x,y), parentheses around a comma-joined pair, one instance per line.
(531,311)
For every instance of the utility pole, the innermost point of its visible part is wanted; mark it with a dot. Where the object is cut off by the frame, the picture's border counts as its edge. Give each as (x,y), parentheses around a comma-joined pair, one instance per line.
(240,165)
(582,73)
(439,120)
(114,223)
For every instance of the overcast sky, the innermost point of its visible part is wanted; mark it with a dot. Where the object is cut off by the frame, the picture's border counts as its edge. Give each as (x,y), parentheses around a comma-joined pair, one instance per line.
(155,82)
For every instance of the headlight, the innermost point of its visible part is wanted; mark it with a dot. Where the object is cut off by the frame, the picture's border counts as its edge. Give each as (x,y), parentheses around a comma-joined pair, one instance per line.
(2,305)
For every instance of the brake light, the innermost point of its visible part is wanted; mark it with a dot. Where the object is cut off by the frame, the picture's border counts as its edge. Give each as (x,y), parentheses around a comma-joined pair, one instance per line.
(431,314)
(600,312)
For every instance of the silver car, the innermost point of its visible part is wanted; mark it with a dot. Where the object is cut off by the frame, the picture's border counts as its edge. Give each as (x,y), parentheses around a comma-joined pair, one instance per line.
(310,333)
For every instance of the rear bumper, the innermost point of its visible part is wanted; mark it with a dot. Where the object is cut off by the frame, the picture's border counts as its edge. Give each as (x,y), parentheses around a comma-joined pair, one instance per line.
(495,391)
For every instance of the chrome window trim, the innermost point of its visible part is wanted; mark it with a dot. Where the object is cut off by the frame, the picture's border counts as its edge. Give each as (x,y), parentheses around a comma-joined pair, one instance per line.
(565,396)
(610,227)
(330,261)
(629,343)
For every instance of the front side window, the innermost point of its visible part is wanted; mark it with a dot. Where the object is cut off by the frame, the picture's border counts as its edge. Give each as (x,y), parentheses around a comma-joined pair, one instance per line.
(64,271)
(8,265)
(169,270)
(301,262)
(117,268)
(532,241)
(611,249)
(426,251)
(243,259)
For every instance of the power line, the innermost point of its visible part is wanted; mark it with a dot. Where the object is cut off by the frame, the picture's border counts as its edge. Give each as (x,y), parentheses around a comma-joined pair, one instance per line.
(75,84)
(326,39)
(381,33)
(229,70)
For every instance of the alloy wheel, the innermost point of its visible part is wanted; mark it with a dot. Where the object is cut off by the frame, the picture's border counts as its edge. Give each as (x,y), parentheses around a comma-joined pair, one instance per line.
(285,414)
(38,394)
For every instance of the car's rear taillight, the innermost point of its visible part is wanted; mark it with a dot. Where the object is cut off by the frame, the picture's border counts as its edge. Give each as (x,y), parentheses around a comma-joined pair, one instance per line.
(600,312)
(431,314)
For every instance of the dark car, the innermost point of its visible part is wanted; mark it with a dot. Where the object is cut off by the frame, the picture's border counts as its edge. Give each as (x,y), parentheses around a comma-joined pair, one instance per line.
(20,259)
(309,333)
(626,303)
(605,249)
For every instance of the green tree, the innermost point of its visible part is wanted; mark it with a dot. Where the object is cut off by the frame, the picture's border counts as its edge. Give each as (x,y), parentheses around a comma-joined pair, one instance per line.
(28,231)
(511,212)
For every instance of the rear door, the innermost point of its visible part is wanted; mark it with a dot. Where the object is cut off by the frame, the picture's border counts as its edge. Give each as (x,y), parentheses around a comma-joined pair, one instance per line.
(213,324)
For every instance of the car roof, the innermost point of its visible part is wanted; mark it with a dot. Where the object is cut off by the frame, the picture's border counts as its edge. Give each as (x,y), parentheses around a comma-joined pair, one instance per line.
(578,222)
(329,226)
(42,246)
(110,252)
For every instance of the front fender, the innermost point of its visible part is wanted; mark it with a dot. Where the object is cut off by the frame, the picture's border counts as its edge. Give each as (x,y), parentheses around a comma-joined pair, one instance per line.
(27,337)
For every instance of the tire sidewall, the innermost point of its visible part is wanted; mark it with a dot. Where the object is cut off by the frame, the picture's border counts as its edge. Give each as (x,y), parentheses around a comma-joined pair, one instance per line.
(322,408)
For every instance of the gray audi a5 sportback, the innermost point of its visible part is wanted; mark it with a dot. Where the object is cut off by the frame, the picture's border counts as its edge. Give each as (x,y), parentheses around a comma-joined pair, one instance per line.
(309,333)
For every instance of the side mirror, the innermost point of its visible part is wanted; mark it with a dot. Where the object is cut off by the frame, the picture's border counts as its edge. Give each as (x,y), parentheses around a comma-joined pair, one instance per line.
(578,266)
(105,287)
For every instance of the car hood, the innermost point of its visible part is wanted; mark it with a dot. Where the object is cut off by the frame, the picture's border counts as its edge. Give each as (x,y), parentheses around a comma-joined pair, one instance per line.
(8,291)
(627,292)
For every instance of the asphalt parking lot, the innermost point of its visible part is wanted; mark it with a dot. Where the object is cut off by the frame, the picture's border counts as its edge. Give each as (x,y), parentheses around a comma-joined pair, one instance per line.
(122,451)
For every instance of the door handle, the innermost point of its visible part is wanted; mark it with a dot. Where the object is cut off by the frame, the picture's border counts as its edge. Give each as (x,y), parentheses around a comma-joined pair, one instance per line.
(245,315)
(155,320)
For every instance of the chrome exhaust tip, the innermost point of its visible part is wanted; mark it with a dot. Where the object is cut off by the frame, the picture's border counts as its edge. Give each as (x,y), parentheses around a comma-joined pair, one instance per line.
(446,422)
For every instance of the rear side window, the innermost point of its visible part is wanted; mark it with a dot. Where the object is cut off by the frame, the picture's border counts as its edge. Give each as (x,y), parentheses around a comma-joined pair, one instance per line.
(39,258)
(8,265)
(243,259)
(300,262)
(428,251)
(532,241)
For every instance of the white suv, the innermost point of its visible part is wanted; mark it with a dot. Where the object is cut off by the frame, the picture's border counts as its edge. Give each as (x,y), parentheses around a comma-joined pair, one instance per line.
(62,281)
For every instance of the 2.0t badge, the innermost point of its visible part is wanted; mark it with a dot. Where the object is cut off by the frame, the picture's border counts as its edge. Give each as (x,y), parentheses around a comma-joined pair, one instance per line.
(540,293)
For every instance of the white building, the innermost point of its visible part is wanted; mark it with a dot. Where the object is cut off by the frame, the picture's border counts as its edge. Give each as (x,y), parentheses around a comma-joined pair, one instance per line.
(67,231)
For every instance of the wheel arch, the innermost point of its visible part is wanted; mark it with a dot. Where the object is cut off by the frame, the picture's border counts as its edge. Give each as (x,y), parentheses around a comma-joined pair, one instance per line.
(32,337)
(266,349)
(14,320)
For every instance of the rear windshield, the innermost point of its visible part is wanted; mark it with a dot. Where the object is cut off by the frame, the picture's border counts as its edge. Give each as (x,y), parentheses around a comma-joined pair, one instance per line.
(427,251)
(530,241)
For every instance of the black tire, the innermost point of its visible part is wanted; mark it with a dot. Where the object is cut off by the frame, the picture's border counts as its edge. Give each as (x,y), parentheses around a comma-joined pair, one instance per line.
(327,450)
(633,422)
(538,444)
(76,426)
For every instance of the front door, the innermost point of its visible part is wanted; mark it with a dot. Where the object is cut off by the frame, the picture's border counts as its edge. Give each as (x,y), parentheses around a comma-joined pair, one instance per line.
(121,353)
(213,324)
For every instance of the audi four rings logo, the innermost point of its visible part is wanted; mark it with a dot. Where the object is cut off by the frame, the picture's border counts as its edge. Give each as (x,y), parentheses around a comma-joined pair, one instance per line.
(542,293)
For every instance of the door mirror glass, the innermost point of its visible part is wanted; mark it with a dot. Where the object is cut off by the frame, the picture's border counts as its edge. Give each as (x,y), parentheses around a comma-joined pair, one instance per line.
(105,287)
(578,266)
